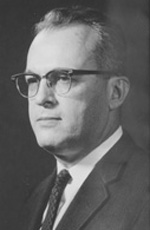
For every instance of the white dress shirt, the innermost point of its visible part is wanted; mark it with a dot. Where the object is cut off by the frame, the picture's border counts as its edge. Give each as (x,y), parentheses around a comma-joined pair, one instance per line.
(80,172)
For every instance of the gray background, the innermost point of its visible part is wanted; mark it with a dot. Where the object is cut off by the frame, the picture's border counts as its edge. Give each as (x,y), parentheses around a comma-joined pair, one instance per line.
(22,163)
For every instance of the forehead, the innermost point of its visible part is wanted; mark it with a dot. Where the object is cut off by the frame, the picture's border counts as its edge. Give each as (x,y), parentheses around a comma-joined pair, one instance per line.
(73,44)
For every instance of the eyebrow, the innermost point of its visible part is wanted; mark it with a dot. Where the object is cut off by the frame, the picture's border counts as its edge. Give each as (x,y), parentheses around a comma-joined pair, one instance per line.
(28,71)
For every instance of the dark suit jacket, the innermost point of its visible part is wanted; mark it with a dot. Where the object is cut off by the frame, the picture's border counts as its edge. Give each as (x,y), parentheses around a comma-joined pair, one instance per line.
(115,195)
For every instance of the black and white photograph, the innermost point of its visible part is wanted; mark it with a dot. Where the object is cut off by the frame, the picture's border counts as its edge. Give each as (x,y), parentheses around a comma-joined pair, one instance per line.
(74,115)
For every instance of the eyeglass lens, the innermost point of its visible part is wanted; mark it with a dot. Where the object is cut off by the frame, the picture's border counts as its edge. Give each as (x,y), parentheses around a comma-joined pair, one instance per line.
(28,84)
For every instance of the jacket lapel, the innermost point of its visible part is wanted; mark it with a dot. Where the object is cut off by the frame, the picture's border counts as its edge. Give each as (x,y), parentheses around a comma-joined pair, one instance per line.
(88,199)
(39,201)
(94,193)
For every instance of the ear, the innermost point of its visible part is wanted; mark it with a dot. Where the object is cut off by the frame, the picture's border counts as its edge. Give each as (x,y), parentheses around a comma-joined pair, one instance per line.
(118,88)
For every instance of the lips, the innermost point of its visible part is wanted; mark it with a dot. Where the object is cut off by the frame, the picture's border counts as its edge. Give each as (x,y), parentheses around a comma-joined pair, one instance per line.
(48,118)
(48,121)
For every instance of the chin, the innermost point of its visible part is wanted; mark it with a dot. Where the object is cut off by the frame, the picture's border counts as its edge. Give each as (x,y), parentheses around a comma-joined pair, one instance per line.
(48,140)
(45,142)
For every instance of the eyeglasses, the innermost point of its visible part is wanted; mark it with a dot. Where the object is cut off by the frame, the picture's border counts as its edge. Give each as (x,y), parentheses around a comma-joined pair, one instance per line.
(59,80)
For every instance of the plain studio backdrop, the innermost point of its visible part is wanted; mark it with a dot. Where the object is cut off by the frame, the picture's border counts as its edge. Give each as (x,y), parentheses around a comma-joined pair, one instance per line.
(22,163)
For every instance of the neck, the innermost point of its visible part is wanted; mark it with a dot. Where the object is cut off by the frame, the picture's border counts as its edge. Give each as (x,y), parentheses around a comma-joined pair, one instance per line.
(70,157)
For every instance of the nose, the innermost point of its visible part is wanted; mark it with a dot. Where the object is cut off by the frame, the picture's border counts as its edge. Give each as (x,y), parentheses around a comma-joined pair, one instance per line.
(45,96)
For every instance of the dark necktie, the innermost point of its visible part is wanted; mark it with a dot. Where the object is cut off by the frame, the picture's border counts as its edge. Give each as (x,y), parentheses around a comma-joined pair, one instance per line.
(59,186)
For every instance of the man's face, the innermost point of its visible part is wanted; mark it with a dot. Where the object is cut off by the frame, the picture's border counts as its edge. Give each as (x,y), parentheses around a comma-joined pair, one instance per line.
(75,122)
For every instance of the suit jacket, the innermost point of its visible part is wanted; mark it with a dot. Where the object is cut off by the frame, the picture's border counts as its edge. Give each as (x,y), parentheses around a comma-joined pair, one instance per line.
(115,195)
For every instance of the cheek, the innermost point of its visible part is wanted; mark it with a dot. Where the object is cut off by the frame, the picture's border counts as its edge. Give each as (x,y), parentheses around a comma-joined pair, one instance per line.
(73,116)
(32,113)
(80,114)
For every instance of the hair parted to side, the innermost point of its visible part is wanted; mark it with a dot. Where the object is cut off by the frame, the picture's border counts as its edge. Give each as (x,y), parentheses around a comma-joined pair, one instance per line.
(110,49)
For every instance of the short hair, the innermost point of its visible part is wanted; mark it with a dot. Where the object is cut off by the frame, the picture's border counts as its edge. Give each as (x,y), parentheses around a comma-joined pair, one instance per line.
(110,49)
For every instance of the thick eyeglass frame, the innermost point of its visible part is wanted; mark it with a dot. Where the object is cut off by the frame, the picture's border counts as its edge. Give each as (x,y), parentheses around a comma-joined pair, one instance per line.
(50,82)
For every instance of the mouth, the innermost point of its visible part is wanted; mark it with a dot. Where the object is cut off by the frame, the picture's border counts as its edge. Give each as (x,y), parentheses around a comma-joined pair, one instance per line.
(48,118)
(48,121)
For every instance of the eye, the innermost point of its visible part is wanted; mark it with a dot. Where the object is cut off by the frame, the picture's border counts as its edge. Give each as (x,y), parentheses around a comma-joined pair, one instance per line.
(63,78)
(30,79)
(59,77)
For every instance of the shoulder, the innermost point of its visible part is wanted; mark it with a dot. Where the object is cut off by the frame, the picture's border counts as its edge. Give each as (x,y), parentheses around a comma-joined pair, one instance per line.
(132,163)
(135,175)
(138,160)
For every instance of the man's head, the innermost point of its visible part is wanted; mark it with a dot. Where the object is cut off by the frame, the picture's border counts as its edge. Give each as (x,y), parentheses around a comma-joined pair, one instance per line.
(73,123)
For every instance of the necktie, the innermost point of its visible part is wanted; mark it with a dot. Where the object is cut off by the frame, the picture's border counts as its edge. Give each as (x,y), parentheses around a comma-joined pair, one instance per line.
(59,186)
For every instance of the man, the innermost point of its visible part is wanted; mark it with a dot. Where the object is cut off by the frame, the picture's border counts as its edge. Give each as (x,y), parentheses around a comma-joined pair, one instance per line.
(75,84)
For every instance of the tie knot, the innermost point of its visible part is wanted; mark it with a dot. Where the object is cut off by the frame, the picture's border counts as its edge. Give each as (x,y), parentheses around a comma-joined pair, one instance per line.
(62,178)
